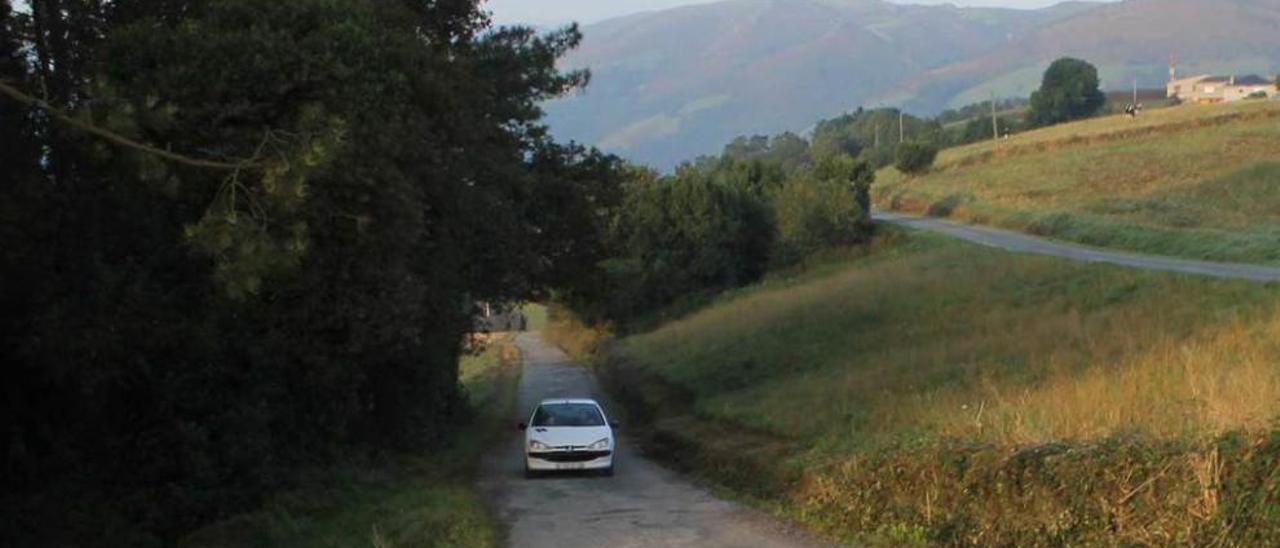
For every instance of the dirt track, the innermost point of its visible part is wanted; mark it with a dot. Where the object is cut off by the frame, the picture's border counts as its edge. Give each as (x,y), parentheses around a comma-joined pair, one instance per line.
(643,504)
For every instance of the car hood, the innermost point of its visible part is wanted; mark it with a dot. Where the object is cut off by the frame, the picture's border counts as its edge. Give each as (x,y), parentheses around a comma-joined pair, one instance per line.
(578,436)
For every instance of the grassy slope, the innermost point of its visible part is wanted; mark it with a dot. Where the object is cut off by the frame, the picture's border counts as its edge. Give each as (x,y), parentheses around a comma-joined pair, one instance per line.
(904,342)
(854,370)
(1192,181)
(404,501)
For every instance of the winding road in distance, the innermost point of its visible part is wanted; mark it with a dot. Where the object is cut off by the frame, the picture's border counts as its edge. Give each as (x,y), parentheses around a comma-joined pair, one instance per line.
(642,505)
(1023,243)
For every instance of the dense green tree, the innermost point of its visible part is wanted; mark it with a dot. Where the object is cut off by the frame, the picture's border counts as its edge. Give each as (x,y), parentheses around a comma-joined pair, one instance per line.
(786,151)
(827,206)
(1068,92)
(757,176)
(790,151)
(857,175)
(914,157)
(744,146)
(245,236)
(814,214)
(683,236)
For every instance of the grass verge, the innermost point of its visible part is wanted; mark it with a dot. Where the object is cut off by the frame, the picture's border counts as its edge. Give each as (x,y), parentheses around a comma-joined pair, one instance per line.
(402,500)
(939,392)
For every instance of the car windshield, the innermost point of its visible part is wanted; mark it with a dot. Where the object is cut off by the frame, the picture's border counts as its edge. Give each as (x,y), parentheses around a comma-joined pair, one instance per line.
(568,414)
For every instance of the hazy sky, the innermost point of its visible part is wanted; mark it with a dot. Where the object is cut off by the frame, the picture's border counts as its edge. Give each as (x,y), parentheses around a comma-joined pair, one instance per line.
(590,11)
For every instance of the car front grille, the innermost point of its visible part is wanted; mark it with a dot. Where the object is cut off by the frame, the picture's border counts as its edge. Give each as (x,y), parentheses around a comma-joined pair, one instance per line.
(569,456)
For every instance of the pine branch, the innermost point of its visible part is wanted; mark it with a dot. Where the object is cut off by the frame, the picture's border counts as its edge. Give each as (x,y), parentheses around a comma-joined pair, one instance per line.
(121,140)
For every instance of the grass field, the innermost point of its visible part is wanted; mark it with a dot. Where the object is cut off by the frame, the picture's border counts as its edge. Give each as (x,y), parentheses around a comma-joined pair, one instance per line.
(929,352)
(1191,181)
(399,501)
(933,338)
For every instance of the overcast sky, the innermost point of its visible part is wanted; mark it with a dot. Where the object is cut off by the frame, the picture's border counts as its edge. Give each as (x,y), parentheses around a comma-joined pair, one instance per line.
(589,11)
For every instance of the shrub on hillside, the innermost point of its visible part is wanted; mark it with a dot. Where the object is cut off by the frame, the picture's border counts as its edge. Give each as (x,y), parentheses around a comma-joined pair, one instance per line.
(914,157)
(813,214)
(878,157)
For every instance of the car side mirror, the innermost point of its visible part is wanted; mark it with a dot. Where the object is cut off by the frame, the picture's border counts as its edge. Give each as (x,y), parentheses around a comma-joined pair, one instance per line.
(522,426)
(614,425)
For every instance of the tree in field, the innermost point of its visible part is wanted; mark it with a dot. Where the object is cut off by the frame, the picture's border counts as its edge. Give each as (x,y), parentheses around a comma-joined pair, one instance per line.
(1069,92)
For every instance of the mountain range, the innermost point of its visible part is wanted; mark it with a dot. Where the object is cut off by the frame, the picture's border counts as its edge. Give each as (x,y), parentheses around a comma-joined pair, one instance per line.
(670,85)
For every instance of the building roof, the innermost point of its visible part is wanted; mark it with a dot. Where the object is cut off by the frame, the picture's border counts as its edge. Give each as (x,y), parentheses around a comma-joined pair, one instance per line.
(1250,80)
(1253,80)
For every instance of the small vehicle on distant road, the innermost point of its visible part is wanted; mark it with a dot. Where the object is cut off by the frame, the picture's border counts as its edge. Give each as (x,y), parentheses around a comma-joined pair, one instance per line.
(568,435)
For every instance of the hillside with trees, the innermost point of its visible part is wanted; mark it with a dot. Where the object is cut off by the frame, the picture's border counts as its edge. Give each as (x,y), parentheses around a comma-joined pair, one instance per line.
(674,84)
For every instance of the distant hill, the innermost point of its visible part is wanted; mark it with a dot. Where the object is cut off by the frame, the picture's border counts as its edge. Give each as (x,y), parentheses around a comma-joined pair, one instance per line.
(673,84)
(1127,40)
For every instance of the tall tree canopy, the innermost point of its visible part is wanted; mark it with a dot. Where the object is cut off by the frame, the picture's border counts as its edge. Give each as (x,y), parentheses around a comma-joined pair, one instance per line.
(246,235)
(1069,92)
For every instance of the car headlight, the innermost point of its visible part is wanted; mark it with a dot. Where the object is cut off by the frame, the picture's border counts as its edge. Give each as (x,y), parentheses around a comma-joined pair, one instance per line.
(598,445)
(536,445)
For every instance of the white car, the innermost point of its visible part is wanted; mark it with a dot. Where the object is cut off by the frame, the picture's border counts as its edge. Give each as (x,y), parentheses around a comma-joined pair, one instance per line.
(568,434)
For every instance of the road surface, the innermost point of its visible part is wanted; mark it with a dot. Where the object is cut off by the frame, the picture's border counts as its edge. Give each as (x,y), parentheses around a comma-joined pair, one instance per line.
(1023,243)
(642,505)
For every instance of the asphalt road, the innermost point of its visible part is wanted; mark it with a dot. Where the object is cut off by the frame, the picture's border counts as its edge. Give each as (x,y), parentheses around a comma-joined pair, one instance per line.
(642,505)
(1023,243)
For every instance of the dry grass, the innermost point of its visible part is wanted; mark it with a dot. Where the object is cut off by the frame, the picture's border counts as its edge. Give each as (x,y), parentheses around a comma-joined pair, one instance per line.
(1108,128)
(936,339)
(578,340)
(1223,380)
(1192,181)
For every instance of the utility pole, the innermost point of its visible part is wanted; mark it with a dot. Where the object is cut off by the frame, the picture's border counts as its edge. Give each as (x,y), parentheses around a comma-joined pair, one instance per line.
(1135,91)
(902,131)
(877,135)
(995,121)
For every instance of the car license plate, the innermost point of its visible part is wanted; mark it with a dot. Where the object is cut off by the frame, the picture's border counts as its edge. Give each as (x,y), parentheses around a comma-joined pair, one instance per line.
(569,466)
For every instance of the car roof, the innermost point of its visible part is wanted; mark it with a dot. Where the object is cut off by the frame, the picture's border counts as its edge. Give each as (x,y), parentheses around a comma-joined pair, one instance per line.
(554,401)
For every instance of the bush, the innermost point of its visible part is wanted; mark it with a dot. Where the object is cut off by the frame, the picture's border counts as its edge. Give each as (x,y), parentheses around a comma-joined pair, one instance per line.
(914,157)
(813,214)
(881,156)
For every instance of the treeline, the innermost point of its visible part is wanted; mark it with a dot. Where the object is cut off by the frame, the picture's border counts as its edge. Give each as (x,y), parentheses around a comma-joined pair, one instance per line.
(243,238)
(878,138)
(874,135)
(724,221)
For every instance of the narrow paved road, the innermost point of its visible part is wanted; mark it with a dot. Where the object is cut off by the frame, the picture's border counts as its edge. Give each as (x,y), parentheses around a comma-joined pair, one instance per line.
(642,505)
(1023,243)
